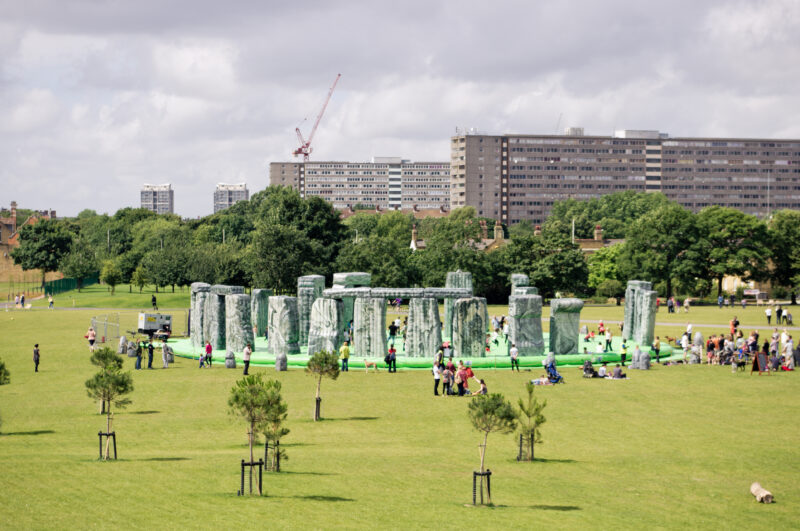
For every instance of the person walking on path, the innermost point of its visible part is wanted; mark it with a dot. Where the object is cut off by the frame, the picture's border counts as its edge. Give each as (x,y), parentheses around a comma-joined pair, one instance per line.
(246,358)
(514,353)
(344,355)
(150,349)
(36,357)
(436,378)
(153,300)
(50,301)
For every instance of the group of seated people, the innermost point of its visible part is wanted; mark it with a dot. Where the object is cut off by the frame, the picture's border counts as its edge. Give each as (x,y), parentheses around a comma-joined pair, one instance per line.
(615,374)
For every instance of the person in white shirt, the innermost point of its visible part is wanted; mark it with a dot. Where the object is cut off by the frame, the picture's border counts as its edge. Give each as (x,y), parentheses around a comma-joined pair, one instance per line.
(514,353)
(602,372)
(436,378)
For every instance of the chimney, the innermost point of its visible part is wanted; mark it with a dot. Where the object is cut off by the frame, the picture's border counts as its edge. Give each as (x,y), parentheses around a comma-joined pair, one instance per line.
(498,231)
(415,208)
(13,217)
(598,233)
(537,230)
(484,230)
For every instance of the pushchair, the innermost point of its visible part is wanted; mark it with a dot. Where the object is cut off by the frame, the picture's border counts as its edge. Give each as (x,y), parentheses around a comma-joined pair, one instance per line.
(552,374)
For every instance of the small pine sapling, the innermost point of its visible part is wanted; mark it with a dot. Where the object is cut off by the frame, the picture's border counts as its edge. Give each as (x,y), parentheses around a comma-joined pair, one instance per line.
(491,413)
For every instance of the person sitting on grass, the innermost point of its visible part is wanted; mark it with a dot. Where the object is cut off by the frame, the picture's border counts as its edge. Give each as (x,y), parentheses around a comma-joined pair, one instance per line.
(603,372)
(618,374)
(542,380)
(588,370)
(483,390)
(774,362)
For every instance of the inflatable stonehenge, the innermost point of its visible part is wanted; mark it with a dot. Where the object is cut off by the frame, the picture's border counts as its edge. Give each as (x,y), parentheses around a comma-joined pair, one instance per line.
(229,318)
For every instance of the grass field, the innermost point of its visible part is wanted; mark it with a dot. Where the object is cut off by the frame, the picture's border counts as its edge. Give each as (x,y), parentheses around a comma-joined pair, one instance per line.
(669,448)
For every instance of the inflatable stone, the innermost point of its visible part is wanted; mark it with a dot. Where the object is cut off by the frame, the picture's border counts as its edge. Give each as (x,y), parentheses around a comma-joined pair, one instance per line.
(259,310)
(123,344)
(698,340)
(645,323)
(309,289)
(214,314)
(550,358)
(455,279)
(230,360)
(424,332)
(238,332)
(565,317)
(470,322)
(519,280)
(694,355)
(350,280)
(169,352)
(283,325)
(281,362)
(369,327)
(326,326)
(132,349)
(525,324)
(199,295)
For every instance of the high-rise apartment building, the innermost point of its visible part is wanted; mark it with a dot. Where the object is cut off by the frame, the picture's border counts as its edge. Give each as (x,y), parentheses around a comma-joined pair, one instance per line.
(159,198)
(519,177)
(386,182)
(226,195)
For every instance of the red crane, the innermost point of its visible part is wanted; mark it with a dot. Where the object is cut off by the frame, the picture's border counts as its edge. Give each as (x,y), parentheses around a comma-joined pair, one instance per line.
(305,145)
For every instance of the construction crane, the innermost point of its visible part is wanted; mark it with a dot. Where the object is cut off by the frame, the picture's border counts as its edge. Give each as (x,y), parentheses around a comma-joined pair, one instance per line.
(305,145)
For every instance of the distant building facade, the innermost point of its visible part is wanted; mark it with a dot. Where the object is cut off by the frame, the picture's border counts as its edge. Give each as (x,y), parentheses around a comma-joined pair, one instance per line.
(519,177)
(386,182)
(226,195)
(158,198)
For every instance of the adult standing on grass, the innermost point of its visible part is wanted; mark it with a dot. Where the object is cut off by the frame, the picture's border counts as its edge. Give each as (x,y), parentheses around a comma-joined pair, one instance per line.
(778,313)
(209,350)
(91,335)
(36,357)
(436,378)
(461,377)
(246,358)
(514,353)
(139,347)
(768,313)
(686,305)
(50,301)
(447,382)
(344,355)
(150,349)
(392,358)
(608,341)
(657,349)
(153,300)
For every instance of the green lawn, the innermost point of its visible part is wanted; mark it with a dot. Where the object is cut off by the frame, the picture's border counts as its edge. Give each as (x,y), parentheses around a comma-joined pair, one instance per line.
(675,447)
(125,297)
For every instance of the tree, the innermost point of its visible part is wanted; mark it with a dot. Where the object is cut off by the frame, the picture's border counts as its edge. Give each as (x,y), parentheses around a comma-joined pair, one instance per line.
(110,386)
(107,360)
(139,277)
(110,274)
(42,245)
(250,398)
(604,265)
(784,238)
(663,245)
(530,419)
(273,428)
(279,255)
(735,244)
(611,288)
(322,364)
(491,413)
(5,374)
(80,263)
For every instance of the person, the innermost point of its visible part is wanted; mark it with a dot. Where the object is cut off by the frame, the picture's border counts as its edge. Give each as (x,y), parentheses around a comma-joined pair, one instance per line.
(744,303)
(36,357)
(16,301)
(686,305)
(202,359)
(346,334)
(658,303)
(246,358)
(670,305)
(774,363)
(439,359)
(689,329)
(685,346)
(588,370)
(624,352)
(209,357)
(601,328)
(208,351)
(461,378)
(22,302)
(91,335)
(392,332)
(608,341)
(470,375)
(153,300)
(514,353)
(788,354)
(603,371)
(450,365)
(618,374)
(150,349)
(392,358)
(768,313)
(505,330)
(733,300)
(344,355)
(50,301)
(599,348)
(720,300)
(542,380)
(164,354)
(436,378)
(447,382)
(139,348)
(778,313)
(657,349)
(483,390)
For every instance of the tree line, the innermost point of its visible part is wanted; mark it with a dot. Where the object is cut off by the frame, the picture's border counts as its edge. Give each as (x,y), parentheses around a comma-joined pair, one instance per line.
(276,236)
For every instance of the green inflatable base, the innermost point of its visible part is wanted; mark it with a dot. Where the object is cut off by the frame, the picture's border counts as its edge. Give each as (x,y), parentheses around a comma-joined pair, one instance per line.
(496,358)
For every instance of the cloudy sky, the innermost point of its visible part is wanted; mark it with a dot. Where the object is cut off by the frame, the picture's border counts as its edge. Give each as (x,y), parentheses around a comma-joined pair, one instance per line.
(98,97)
